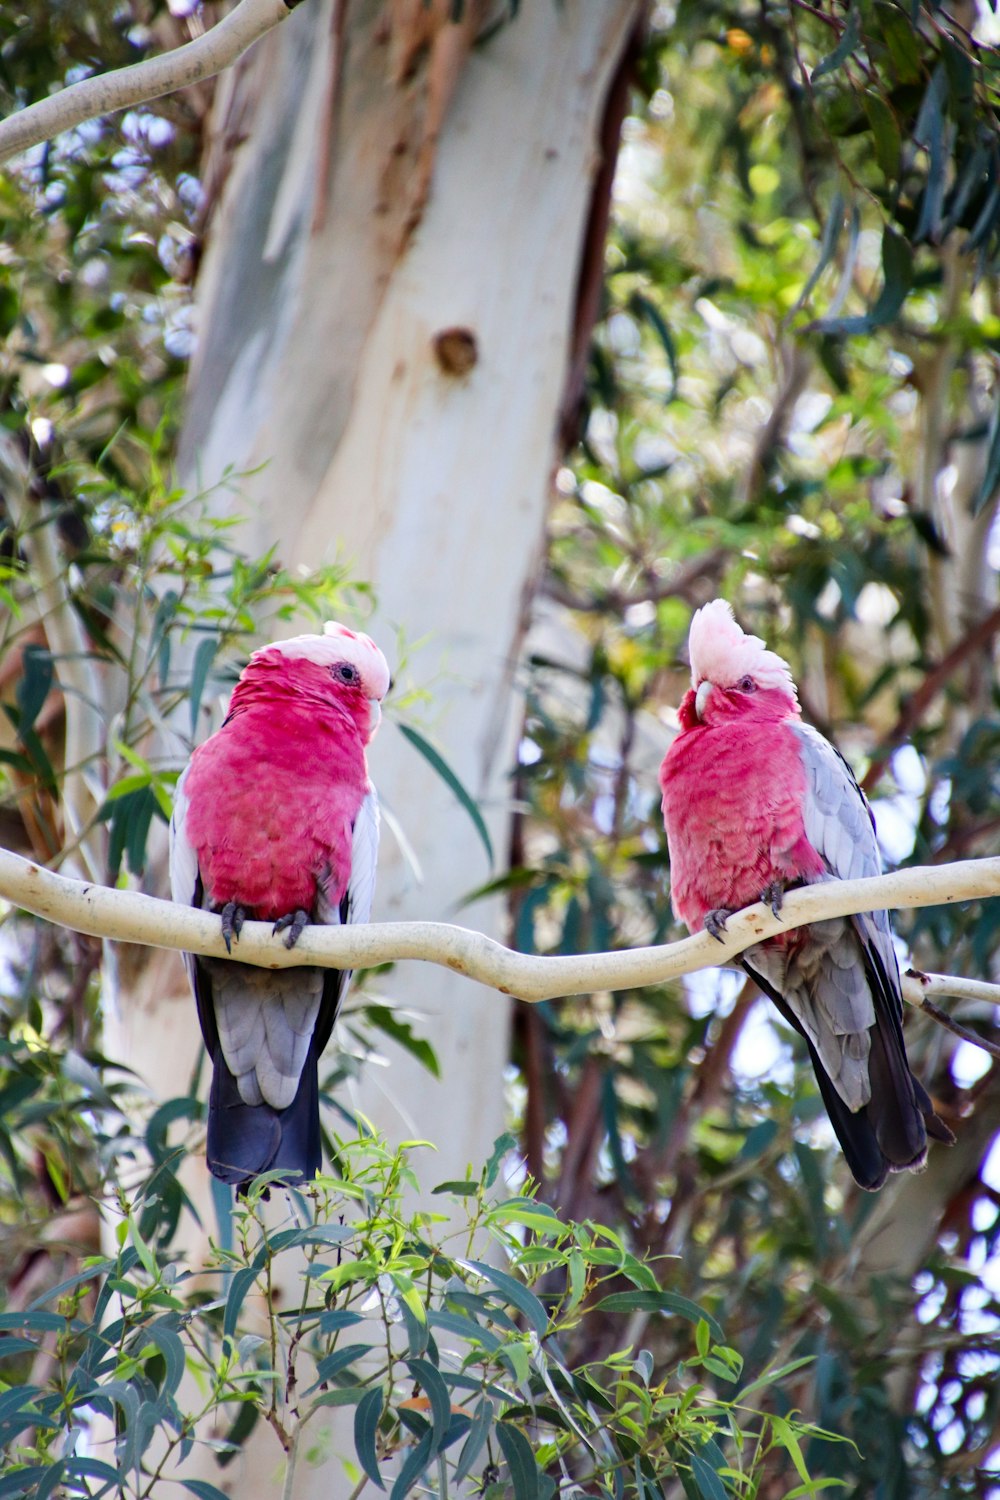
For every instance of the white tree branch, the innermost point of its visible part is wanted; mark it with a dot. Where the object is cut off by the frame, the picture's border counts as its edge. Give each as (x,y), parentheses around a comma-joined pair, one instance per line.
(149,79)
(128,916)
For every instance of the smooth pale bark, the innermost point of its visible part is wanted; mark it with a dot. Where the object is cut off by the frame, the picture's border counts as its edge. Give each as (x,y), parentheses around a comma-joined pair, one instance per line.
(322,301)
(384,319)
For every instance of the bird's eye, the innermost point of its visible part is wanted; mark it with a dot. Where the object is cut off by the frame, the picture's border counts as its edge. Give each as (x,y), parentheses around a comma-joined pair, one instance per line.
(746,685)
(345,672)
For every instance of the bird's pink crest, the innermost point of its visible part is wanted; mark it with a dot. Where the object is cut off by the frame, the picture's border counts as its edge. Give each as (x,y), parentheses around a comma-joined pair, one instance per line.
(721,652)
(338,644)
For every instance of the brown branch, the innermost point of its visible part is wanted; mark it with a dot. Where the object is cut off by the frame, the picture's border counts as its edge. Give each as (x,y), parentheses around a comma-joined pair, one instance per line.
(950,1024)
(707,565)
(590,276)
(821,15)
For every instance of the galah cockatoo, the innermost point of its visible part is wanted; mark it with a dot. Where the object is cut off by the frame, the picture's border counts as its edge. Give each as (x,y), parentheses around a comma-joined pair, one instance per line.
(275,820)
(755,802)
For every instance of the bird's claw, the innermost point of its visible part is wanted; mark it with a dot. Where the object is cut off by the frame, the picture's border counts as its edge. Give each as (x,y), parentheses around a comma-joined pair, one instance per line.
(296,922)
(773,895)
(715,922)
(233,917)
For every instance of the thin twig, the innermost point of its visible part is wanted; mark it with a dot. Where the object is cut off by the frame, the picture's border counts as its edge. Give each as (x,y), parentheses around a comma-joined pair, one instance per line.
(154,76)
(917,987)
(129,916)
(288,1488)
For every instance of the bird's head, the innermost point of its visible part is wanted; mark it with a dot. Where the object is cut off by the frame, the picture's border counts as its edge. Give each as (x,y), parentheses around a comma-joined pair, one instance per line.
(733,674)
(341,664)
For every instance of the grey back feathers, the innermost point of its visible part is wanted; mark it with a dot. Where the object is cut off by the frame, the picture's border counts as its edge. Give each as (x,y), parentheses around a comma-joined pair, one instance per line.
(825,981)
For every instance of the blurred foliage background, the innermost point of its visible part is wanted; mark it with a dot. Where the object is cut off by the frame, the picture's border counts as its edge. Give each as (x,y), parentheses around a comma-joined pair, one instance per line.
(791,398)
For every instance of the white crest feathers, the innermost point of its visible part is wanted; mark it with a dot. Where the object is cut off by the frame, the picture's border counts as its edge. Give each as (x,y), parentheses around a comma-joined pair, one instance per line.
(721,652)
(339,643)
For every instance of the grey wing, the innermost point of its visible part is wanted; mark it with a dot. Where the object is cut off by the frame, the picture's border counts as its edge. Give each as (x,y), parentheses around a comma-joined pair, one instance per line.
(355,906)
(841,981)
(840,826)
(838,820)
(841,987)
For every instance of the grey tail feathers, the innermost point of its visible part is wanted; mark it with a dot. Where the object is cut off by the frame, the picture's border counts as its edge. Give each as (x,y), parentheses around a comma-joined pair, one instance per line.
(889,1133)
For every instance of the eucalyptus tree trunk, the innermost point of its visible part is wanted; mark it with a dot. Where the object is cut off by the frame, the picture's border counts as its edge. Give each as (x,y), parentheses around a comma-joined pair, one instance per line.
(403,239)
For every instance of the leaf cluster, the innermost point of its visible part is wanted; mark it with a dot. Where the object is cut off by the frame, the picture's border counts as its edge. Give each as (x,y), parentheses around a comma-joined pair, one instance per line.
(454,1367)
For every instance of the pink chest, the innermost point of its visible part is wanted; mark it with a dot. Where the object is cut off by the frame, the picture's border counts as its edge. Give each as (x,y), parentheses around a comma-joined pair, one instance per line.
(270,814)
(732,808)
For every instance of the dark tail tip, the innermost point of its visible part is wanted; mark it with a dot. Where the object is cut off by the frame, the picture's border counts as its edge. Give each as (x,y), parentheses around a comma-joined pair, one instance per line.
(247,1139)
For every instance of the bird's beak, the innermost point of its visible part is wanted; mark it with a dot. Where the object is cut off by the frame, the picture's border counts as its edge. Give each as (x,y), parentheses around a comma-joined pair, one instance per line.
(374,716)
(701,698)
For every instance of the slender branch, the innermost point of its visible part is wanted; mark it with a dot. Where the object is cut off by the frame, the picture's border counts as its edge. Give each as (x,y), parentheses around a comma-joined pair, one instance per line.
(918,987)
(149,79)
(651,590)
(129,916)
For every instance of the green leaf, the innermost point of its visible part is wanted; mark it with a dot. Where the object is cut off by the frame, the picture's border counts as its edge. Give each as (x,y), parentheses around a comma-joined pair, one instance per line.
(37,672)
(645,308)
(204,1490)
(844,48)
(366,1420)
(475,1440)
(431,1382)
(159,637)
(827,245)
(339,1360)
(128,784)
(785,1437)
(973,176)
(341,1395)
(665,1302)
(812,1180)
(710,1486)
(240,1285)
(385,1019)
(899,37)
(502,1146)
(448,776)
(413,1469)
(464,1326)
(204,656)
(771,1377)
(758,1139)
(24,1481)
(526,1211)
(332,1322)
(897,272)
(991,473)
(929,132)
(514,1292)
(897,278)
(12,1344)
(520,1458)
(91,1468)
(169,1345)
(885,133)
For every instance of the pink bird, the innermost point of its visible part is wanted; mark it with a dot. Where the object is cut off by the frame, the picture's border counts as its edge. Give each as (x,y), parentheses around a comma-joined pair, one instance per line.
(275,820)
(756,802)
